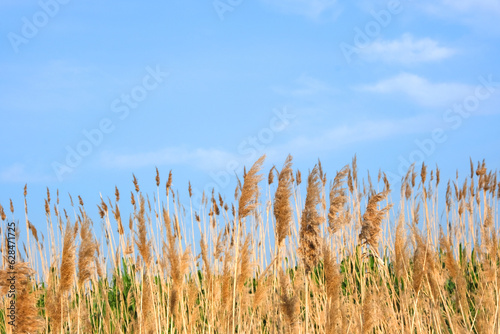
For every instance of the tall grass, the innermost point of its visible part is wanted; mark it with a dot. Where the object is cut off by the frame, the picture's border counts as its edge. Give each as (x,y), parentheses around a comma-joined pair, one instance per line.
(270,261)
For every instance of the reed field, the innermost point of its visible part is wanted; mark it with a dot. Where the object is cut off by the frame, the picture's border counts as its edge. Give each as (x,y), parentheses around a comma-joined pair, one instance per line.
(291,252)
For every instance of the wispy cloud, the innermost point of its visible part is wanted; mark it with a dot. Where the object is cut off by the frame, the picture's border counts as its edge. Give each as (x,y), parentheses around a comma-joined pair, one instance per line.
(54,86)
(210,159)
(482,14)
(466,6)
(312,9)
(13,3)
(354,133)
(18,173)
(305,86)
(421,90)
(406,50)
(206,159)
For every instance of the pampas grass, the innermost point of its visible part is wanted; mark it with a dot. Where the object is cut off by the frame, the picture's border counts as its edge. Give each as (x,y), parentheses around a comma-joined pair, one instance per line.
(351,257)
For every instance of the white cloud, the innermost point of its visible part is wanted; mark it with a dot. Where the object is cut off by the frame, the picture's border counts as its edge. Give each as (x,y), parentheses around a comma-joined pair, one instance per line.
(204,159)
(312,9)
(421,90)
(406,50)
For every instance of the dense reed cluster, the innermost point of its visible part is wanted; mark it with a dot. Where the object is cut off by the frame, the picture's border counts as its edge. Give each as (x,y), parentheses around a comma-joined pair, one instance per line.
(346,259)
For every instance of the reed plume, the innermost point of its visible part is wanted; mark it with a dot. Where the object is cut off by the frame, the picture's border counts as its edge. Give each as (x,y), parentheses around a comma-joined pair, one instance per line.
(118,218)
(370,312)
(23,273)
(28,320)
(338,199)
(249,193)
(310,240)
(245,265)
(3,216)
(282,207)
(142,242)
(86,253)
(289,305)
(456,275)
(206,262)
(372,219)
(400,248)
(68,267)
(227,281)
(54,302)
(148,316)
(333,281)
(178,265)
(425,267)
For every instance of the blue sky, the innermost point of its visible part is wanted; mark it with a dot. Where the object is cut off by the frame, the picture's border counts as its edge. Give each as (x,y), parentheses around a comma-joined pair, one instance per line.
(92,92)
